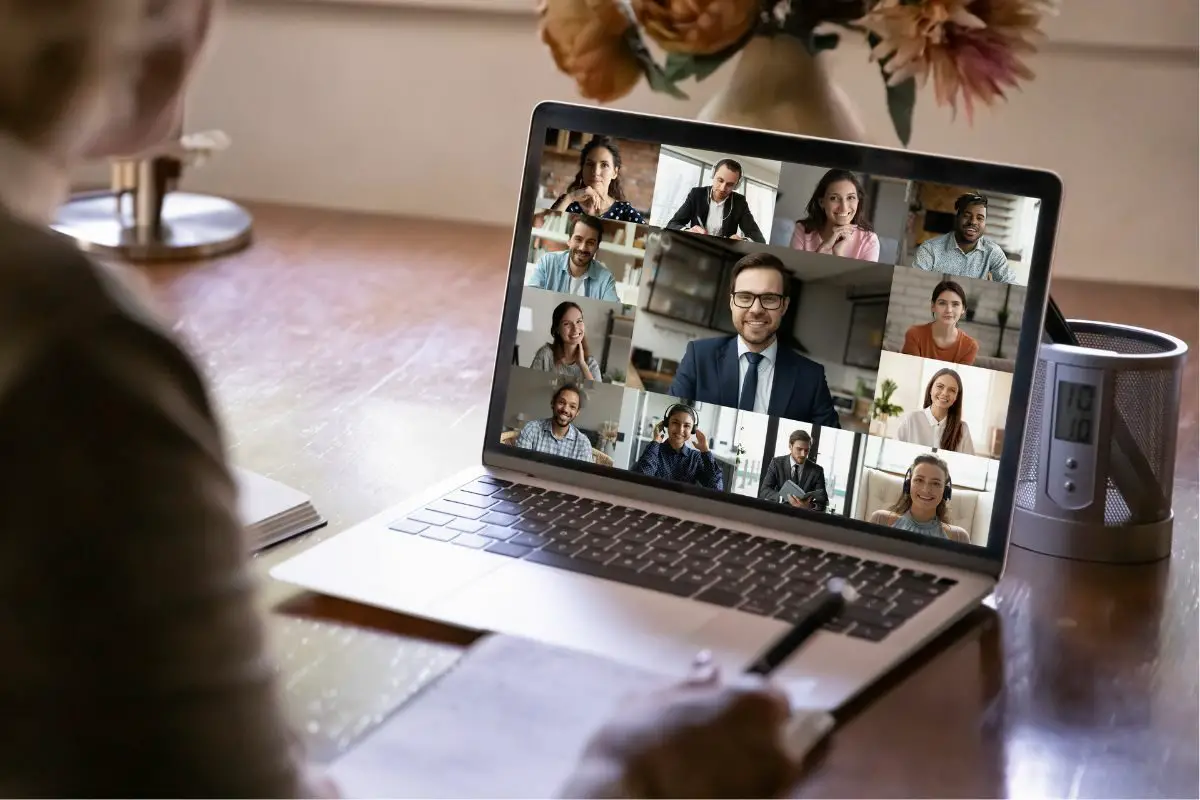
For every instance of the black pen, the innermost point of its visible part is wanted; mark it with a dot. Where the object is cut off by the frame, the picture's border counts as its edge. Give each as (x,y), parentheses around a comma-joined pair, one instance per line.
(827,606)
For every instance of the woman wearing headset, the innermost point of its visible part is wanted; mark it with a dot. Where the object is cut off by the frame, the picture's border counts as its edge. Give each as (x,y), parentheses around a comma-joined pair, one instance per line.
(568,353)
(941,339)
(939,423)
(670,457)
(922,507)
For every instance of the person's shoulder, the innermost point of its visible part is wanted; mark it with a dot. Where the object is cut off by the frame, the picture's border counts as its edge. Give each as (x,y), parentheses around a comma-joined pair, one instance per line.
(790,359)
(955,533)
(709,346)
(883,517)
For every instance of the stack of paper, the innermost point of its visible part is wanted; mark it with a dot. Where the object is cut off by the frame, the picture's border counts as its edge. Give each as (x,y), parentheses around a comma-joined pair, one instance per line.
(272,511)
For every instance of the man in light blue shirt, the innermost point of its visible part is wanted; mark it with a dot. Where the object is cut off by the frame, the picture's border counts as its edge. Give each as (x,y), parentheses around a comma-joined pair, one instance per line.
(965,251)
(556,436)
(574,270)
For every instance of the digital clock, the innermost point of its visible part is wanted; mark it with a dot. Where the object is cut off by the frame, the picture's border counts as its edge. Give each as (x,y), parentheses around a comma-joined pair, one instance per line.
(1075,413)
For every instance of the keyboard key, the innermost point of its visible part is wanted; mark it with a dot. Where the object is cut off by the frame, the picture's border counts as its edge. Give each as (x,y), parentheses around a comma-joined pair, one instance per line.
(529,540)
(541,515)
(510,550)
(737,559)
(610,572)
(494,481)
(631,549)
(670,545)
(642,537)
(867,616)
(496,532)
(871,634)
(595,554)
(918,587)
(408,526)
(455,509)
(663,571)
(466,525)
(507,508)
(481,488)
(440,534)
(923,577)
(697,564)
(532,526)
(605,529)
(665,557)
(631,562)
(720,597)
(430,517)
(468,499)
(695,579)
(907,606)
(837,625)
(504,520)
(759,607)
(471,540)
(561,534)
(563,548)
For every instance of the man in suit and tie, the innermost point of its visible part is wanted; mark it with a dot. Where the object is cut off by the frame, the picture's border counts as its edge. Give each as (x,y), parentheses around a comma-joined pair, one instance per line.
(798,468)
(751,371)
(718,210)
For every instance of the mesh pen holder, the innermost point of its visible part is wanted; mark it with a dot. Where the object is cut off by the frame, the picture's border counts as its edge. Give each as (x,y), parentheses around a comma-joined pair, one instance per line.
(1098,462)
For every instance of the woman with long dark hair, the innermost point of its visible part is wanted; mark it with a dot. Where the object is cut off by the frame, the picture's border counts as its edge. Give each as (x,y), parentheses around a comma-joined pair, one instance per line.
(939,423)
(597,188)
(924,503)
(941,339)
(834,222)
(568,352)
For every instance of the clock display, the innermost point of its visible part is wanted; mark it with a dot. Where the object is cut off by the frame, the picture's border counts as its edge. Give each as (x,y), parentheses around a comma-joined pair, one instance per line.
(1075,413)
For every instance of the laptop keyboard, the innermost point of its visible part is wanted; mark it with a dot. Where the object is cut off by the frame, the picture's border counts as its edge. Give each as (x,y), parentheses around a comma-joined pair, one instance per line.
(662,553)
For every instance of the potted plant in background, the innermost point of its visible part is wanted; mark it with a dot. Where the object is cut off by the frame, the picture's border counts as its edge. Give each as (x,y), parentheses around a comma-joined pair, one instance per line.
(883,408)
(971,49)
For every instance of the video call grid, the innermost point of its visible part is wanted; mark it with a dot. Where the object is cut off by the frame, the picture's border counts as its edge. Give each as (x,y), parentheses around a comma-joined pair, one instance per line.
(911,360)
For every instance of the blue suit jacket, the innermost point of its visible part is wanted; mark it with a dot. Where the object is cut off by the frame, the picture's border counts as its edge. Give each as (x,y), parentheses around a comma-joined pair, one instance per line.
(708,373)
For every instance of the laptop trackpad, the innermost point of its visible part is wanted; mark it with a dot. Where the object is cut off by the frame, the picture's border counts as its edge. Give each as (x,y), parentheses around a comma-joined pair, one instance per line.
(636,626)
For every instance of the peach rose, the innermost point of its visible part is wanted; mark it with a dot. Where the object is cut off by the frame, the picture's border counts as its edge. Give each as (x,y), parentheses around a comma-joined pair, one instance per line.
(586,39)
(696,27)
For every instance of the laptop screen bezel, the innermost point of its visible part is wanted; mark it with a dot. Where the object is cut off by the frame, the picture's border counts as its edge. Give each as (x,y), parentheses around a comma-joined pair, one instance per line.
(908,165)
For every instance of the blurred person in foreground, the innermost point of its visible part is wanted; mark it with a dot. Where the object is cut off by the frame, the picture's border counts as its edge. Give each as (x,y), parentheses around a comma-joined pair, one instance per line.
(133,658)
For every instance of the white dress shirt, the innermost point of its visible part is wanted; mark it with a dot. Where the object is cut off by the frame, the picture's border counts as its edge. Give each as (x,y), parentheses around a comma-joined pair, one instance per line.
(716,217)
(766,373)
(920,427)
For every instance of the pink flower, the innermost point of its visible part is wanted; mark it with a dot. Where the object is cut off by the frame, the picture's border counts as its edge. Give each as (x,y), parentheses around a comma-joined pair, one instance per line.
(971,47)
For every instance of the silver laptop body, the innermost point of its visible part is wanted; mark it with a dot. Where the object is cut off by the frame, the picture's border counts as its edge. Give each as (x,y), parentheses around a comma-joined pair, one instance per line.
(401,561)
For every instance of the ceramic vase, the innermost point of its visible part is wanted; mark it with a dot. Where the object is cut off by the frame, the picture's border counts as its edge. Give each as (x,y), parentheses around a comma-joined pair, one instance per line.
(778,85)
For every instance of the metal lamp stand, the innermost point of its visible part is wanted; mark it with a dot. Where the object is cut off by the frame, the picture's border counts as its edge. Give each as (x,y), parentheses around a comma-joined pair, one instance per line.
(142,218)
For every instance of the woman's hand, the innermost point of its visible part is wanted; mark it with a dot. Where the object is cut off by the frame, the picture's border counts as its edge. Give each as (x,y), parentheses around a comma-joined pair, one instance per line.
(660,433)
(838,241)
(701,441)
(588,198)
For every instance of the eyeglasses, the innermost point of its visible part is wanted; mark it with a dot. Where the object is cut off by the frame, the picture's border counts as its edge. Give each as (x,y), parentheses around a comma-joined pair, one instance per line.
(769,301)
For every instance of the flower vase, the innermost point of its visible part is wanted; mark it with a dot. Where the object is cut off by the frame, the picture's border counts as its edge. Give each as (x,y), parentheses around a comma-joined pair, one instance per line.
(777,85)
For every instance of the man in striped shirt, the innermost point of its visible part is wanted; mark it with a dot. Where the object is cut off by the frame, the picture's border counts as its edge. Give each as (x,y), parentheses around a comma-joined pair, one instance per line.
(556,436)
(575,270)
(965,251)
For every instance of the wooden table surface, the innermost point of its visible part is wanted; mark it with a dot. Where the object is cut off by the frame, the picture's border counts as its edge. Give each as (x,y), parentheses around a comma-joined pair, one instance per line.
(351,357)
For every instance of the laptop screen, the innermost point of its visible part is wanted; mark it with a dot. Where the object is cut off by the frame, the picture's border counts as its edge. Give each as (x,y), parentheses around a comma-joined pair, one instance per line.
(835,334)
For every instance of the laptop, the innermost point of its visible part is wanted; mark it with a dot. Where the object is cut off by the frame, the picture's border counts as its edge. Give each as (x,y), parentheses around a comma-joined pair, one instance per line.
(627,509)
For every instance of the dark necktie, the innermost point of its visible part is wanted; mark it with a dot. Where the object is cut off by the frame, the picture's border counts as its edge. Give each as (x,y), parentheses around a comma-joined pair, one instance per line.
(795,473)
(750,384)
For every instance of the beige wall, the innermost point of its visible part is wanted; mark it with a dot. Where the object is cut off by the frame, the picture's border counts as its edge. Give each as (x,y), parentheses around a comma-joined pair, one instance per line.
(417,111)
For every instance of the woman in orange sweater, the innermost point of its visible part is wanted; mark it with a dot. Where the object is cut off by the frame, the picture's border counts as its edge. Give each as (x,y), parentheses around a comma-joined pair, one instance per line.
(941,339)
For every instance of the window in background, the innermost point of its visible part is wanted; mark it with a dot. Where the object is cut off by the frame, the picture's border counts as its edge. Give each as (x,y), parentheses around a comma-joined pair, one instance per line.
(676,176)
(751,434)
(836,458)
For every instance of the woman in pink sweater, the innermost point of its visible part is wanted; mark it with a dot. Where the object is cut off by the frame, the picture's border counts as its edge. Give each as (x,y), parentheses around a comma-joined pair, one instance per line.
(834,222)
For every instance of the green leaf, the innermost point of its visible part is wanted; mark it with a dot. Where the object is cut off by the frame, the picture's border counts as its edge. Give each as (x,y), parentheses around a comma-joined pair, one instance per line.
(681,66)
(655,75)
(900,101)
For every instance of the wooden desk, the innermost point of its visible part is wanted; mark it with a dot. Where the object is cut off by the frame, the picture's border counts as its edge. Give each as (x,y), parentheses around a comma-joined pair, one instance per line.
(351,357)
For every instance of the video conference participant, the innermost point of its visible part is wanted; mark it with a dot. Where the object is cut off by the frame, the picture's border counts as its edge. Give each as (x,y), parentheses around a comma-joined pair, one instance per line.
(833,221)
(965,251)
(576,270)
(750,371)
(939,424)
(557,436)
(568,353)
(670,455)
(798,468)
(941,339)
(597,188)
(923,502)
(718,210)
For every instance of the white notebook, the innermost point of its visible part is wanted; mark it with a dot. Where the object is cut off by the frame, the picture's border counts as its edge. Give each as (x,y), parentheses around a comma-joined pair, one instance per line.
(272,511)
(509,719)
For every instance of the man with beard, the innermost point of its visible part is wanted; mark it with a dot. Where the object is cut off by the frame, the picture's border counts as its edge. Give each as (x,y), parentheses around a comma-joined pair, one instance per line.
(797,467)
(965,251)
(574,270)
(556,436)
(751,371)
(718,210)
